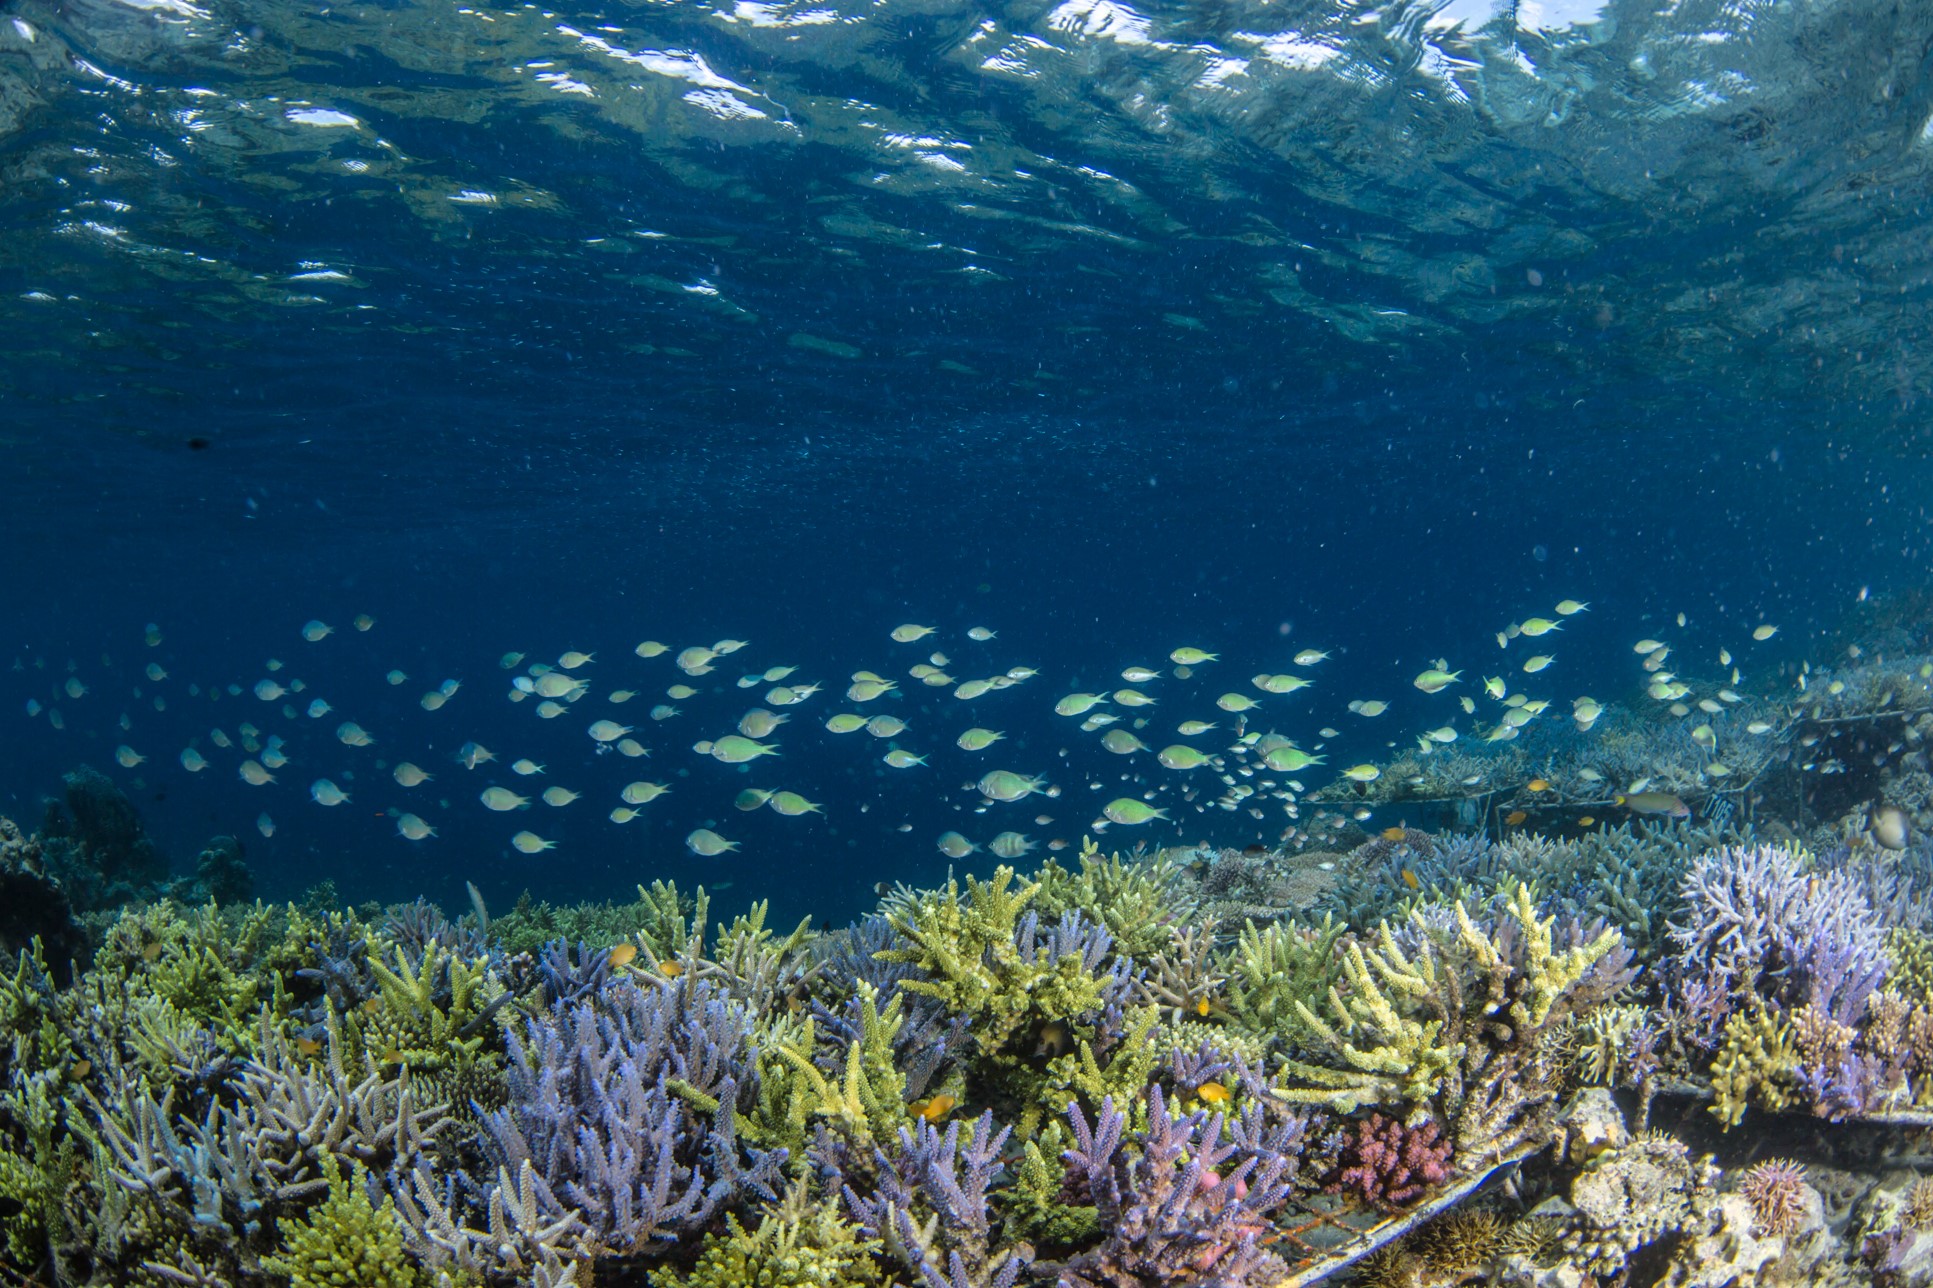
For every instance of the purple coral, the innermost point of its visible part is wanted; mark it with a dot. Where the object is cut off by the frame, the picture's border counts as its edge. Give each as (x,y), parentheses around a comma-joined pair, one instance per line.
(1187,1206)
(1390,1163)
(627,1111)
(950,1180)
(1758,921)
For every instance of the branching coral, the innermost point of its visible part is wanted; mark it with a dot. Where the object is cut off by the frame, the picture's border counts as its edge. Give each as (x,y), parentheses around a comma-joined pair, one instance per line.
(795,1244)
(1761,921)
(1137,899)
(1181,1205)
(1462,1023)
(346,1241)
(1756,1063)
(1272,968)
(628,1110)
(1390,1164)
(929,1207)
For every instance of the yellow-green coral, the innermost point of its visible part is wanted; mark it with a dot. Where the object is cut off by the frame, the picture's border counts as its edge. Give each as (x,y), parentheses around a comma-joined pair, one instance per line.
(662,920)
(1391,1053)
(1124,1077)
(1911,954)
(796,1244)
(1036,1208)
(967,945)
(405,1025)
(1272,968)
(1547,975)
(346,1242)
(1413,1024)
(1757,1058)
(863,1099)
(1135,899)
(36,1171)
(1602,1038)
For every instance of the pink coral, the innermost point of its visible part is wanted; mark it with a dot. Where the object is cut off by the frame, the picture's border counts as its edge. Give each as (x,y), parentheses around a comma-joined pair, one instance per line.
(1390,1164)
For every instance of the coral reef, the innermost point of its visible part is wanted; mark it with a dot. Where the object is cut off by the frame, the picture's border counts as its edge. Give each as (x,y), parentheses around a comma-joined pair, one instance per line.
(1155,1068)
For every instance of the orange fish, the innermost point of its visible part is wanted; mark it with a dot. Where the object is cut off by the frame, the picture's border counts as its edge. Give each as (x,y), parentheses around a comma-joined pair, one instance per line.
(933,1108)
(1212,1092)
(1409,879)
(1515,817)
(308,1046)
(80,1069)
(1201,1007)
(673,969)
(1586,821)
(622,955)
(151,952)
(1395,833)
(373,1006)
(1538,785)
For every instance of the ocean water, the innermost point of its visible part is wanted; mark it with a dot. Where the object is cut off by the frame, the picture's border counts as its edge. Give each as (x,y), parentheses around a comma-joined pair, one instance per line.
(1111,328)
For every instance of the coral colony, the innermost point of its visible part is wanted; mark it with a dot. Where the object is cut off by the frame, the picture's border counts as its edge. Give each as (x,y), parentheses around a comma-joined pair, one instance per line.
(1416,1057)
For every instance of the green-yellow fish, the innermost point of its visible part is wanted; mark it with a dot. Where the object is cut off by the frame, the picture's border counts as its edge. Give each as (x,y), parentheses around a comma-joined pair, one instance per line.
(735,749)
(791,804)
(708,843)
(1129,812)
(1005,785)
(1183,757)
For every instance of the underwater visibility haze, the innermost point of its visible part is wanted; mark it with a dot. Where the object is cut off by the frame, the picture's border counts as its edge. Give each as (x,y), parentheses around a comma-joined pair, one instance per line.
(1318,612)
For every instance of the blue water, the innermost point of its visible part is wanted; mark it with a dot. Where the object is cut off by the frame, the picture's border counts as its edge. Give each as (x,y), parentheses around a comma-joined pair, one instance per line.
(792,323)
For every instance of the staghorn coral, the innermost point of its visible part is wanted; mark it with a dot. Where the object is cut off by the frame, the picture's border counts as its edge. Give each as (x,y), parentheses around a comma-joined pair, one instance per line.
(1186,1204)
(248,1161)
(1271,968)
(1776,1190)
(1137,900)
(659,920)
(1389,1165)
(1760,920)
(1183,978)
(346,1241)
(861,1093)
(797,1243)
(1756,1064)
(1025,992)
(628,1109)
(524,1235)
(929,1207)
(1468,1018)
